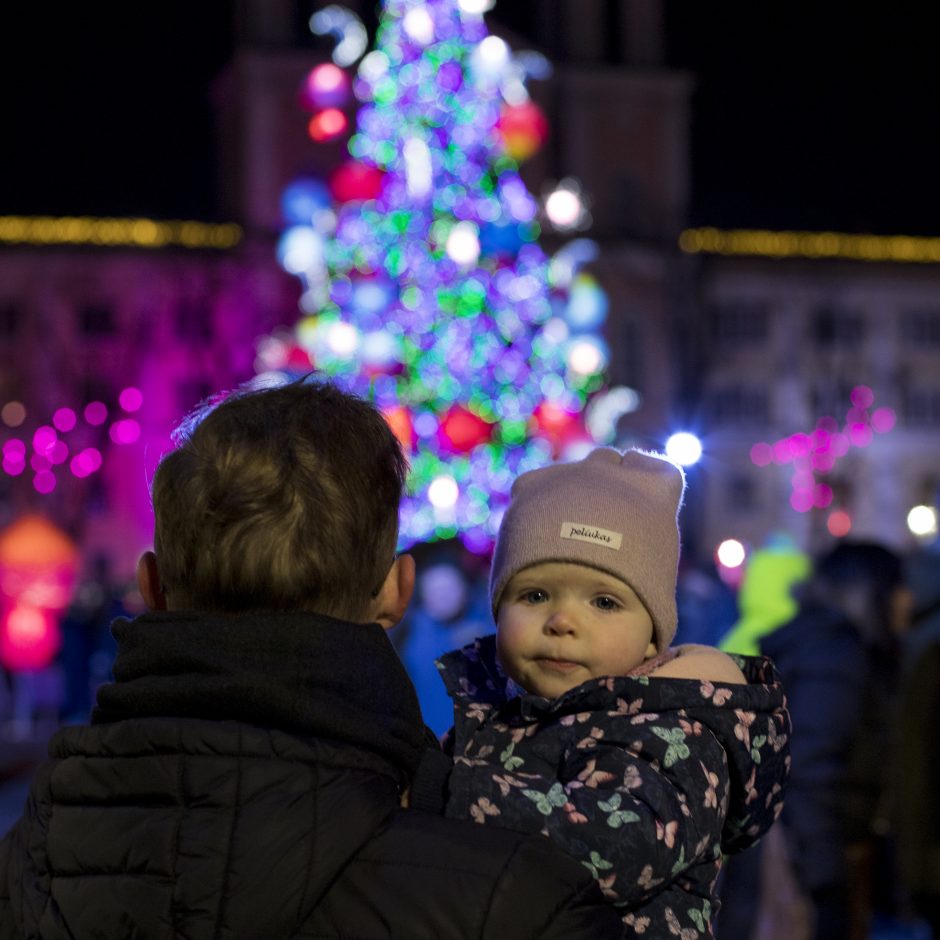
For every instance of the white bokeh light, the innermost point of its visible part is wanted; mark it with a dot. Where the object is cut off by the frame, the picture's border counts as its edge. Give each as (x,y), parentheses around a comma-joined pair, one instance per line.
(419,25)
(476,7)
(443,492)
(731,553)
(922,521)
(586,356)
(684,449)
(463,244)
(342,339)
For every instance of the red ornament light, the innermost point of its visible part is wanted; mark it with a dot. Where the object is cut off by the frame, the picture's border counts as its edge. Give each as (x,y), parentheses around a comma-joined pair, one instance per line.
(461,430)
(399,420)
(523,129)
(327,125)
(557,425)
(352,181)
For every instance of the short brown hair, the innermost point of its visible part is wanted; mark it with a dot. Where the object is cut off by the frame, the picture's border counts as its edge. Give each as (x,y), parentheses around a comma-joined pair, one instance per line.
(283,499)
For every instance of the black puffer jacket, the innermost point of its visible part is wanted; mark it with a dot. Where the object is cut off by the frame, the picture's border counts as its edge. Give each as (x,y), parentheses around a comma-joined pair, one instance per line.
(242,779)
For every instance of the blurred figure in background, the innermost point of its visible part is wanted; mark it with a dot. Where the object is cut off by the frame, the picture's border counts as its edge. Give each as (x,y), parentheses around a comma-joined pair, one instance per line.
(765,603)
(917,766)
(450,609)
(839,659)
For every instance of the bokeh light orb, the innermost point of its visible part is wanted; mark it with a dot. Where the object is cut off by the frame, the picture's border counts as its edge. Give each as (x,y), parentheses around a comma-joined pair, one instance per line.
(731,553)
(463,244)
(443,492)
(684,448)
(326,86)
(587,355)
(523,128)
(327,125)
(922,521)
(303,199)
(300,249)
(131,399)
(489,61)
(354,181)
(13,414)
(587,304)
(476,7)
(419,25)
(839,523)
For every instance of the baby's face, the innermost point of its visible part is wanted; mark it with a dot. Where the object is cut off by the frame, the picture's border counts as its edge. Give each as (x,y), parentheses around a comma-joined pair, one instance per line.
(561,624)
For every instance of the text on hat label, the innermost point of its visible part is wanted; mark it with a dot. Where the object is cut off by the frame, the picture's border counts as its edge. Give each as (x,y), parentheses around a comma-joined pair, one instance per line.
(591,533)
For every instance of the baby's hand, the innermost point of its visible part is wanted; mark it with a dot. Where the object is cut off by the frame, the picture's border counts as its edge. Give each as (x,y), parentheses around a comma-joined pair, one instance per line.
(701,662)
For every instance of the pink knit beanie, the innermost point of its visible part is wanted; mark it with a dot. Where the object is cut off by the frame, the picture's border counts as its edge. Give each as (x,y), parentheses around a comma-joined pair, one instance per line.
(611,511)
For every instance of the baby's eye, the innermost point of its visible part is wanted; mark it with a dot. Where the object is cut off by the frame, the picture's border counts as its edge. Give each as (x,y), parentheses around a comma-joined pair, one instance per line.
(606,603)
(535,596)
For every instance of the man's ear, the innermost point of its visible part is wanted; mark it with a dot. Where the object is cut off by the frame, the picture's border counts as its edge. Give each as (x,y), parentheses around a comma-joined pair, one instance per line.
(148,582)
(395,594)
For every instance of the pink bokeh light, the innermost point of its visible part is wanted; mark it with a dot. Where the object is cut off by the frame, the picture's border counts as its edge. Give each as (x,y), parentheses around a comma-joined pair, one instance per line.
(860,435)
(762,454)
(802,500)
(862,396)
(44,439)
(64,419)
(131,399)
(883,420)
(13,466)
(125,431)
(14,448)
(44,482)
(96,412)
(822,495)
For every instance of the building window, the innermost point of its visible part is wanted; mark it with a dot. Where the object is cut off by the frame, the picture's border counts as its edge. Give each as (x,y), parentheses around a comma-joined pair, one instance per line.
(838,328)
(920,328)
(9,318)
(922,407)
(739,404)
(740,323)
(97,320)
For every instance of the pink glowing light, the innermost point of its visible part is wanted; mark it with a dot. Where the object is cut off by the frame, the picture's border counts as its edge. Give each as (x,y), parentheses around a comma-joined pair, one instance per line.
(821,439)
(44,482)
(839,445)
(131,399)
(860,435)
(823,462)
(125,432)
(40,462)
(85,463)
(96,412)
(822,495)
(803,480)
(828,423)
(782,452)
(799,445)
(862,396)
(13,466)
(14,448)
(883,420)
(64,419)
(58,453)
(802,500)
(762,454)
(44,439)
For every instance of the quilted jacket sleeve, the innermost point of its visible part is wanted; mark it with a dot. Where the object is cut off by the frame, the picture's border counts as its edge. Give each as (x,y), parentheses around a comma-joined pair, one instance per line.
(632,803)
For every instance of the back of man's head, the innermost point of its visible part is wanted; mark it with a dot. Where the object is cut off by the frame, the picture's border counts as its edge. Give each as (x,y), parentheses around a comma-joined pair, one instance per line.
(280,499)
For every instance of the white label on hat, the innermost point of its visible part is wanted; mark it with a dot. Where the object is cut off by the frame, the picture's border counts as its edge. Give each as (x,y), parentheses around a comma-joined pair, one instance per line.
(592,534)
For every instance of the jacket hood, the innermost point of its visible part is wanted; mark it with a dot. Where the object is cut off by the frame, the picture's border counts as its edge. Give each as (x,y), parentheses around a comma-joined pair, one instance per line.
(742,717)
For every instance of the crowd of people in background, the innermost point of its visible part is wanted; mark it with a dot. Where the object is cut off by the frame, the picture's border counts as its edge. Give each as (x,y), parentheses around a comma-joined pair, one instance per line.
(855,635)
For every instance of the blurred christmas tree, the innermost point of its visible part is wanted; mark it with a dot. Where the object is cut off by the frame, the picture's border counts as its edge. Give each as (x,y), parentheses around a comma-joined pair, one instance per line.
(425,288)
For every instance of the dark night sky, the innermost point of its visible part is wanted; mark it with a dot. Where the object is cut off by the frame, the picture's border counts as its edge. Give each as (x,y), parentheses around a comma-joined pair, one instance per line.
(806,115)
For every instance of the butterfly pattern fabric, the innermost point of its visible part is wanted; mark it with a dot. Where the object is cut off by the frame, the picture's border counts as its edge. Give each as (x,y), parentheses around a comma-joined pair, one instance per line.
(647,781)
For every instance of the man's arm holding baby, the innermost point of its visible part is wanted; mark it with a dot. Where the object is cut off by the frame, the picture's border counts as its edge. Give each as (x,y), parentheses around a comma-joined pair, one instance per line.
(700,662)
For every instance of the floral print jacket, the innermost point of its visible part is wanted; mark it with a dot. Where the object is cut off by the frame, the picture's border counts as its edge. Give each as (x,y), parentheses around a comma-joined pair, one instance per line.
(648,781)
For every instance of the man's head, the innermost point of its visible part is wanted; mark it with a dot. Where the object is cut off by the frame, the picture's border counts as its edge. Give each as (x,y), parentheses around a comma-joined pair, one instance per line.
(279,499)
(612,512)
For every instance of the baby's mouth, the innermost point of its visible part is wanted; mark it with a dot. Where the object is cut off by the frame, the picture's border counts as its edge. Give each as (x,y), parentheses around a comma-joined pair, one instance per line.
(556,665)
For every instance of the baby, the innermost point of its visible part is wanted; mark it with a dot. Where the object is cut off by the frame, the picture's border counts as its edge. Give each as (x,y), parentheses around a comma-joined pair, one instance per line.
(578,720)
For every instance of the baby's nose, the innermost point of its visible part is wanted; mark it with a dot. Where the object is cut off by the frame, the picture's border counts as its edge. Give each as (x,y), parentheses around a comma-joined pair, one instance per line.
(559,623)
